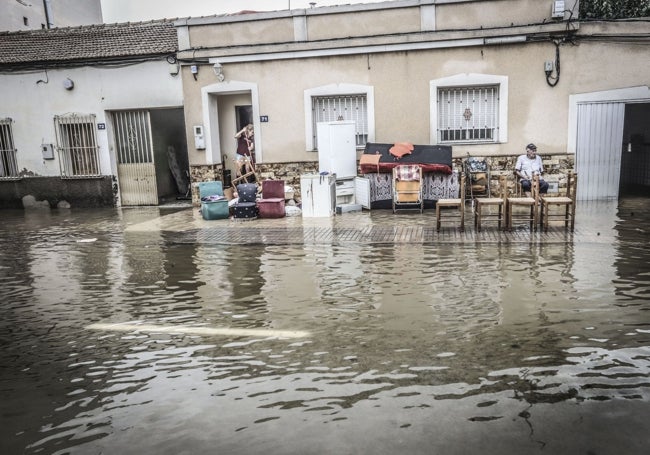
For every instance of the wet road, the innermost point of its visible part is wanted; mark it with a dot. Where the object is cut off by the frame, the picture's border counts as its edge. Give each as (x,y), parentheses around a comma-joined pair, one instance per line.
(140,331)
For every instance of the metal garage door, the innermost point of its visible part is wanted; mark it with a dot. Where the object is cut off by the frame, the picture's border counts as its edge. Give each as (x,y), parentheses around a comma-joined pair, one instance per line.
(135,165)
(598,149)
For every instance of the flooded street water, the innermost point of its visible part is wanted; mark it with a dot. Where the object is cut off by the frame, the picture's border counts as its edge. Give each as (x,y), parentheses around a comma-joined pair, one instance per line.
(128,340)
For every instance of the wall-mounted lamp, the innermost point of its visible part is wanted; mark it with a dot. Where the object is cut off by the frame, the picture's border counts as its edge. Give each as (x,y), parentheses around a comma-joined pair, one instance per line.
(218,71)
(68,84)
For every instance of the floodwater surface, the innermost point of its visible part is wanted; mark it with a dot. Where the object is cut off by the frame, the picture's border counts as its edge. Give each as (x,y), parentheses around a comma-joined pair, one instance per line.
(130,342)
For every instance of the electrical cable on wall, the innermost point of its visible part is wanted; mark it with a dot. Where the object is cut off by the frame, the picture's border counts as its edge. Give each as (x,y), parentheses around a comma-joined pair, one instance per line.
(550,79)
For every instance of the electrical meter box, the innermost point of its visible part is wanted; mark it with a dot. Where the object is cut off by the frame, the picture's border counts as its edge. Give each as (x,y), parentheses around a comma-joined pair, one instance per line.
(199,139)
(557,11)
(48,151)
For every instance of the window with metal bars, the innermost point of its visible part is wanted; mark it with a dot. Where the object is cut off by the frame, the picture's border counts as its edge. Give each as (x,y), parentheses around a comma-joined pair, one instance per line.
(342,107)
(8,164)
(468,114)
(77,145)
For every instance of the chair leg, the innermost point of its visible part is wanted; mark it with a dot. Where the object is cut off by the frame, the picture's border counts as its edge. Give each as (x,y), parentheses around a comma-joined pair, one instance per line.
(437,217)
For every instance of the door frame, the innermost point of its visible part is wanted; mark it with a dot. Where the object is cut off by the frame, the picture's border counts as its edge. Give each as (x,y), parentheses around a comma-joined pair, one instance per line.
(210,106)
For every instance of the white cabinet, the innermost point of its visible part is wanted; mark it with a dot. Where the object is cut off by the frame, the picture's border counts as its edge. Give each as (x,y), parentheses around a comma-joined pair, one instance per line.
(318,194)
(337,150)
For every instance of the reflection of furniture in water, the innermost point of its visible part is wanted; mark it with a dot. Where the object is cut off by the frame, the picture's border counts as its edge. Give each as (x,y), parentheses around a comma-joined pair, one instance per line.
(528,202)
(458,203)
(214,205)
(568,202)
(491,203)
(271,205)
(407,188)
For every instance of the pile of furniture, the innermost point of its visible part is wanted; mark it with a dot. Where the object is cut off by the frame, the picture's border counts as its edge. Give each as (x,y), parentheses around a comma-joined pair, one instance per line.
(438,179)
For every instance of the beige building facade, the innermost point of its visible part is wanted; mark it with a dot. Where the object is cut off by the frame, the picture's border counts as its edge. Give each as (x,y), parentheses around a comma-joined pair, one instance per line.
(484,76)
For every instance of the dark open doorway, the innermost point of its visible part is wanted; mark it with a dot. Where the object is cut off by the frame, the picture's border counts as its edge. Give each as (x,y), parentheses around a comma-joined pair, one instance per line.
(635,162)
(244,116)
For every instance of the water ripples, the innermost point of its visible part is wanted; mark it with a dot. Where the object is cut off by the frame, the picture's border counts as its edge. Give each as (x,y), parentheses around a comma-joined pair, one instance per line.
(402,337)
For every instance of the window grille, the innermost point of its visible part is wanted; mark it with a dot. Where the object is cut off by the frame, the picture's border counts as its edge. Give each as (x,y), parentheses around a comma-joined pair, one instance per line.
(77,145)
(468,114)
(342,107)
(8,164)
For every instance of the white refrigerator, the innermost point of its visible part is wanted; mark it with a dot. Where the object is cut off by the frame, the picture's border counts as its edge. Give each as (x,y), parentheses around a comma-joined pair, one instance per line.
(337,148)
(318,195)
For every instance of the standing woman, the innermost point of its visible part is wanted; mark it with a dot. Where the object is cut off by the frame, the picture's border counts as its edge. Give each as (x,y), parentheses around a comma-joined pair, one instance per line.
(246,143)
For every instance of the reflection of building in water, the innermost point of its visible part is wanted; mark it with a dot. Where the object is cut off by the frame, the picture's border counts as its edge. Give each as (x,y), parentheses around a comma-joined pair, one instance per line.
(232,281)
(290,279)
(593,268)
(631,258)
(466,285)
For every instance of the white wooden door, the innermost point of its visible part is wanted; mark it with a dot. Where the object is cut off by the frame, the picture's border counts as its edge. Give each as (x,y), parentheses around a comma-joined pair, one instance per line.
(599,146)
(135,163)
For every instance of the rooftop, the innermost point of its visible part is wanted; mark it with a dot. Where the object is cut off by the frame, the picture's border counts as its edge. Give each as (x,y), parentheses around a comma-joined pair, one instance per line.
(107,42)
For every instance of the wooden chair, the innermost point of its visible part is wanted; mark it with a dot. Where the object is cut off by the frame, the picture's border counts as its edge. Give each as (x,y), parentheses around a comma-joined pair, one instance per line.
(458,204)
(245,170)
(496,205)
(568,215)
(531,203)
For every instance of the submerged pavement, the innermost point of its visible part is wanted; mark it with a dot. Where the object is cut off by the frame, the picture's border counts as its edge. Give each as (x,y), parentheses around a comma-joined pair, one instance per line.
(369,227)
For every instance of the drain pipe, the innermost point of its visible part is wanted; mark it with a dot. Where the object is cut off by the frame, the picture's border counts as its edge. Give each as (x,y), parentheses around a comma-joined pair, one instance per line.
(47,7)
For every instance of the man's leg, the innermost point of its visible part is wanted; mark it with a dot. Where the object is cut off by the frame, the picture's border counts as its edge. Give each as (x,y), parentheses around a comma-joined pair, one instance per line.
(543,186)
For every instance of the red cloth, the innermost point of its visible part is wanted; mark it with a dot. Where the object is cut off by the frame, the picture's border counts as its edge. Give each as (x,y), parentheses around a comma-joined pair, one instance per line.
(388,167)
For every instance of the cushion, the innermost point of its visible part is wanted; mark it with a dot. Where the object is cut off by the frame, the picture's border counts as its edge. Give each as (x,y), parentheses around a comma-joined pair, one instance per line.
(400,149)
(247,192)
(370,159)
(273,188)
(407,172)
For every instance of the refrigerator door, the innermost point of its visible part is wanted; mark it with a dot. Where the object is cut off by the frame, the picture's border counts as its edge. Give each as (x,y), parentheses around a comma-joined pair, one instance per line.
(337,152)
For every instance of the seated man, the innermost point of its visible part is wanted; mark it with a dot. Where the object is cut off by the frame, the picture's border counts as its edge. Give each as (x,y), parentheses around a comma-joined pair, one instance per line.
(529,165)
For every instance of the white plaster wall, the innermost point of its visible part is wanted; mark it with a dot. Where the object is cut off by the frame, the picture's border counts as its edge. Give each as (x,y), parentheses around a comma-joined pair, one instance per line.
(33,99)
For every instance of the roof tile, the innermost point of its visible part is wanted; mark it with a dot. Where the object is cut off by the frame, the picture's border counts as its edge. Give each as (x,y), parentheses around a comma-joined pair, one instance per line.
(91,42)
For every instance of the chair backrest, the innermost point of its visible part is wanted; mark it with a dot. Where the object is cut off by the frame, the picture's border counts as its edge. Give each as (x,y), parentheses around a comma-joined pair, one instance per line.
(461,190)
(502,193)
(247,192)
(407,172)
(571,185)
(518,190)
(273,189)
(210,189)
(534,188)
